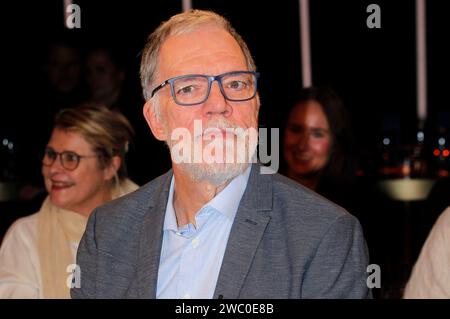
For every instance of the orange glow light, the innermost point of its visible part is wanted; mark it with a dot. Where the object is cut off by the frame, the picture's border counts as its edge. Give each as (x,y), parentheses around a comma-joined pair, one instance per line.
(436,152)
(445,153)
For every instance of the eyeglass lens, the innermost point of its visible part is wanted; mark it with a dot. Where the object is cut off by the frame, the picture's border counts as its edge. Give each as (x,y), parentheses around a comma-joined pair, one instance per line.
(195,89)
(69,160)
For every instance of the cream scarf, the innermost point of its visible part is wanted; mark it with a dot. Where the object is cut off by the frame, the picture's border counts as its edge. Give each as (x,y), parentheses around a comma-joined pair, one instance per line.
(58,229)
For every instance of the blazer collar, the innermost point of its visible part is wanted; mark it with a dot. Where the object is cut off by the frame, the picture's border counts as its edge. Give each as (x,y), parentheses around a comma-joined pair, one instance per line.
(151,238)
(246,233)
(249,225)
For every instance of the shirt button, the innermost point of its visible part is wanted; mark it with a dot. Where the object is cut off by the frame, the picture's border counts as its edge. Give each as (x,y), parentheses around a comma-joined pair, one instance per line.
(195,242)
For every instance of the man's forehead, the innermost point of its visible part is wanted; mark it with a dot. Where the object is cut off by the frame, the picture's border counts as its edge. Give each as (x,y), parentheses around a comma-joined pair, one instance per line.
(213,32)
(202,46)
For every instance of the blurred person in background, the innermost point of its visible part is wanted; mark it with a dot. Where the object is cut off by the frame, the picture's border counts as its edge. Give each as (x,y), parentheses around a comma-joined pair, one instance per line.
(105,75)
(60,85)
(430,278)
(83,166)
(318,145)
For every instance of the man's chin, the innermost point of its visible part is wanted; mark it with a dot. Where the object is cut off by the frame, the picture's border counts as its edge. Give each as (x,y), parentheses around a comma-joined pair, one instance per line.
(216,173)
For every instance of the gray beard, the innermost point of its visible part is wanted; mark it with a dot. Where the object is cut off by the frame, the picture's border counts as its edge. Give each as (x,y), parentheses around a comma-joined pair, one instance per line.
(215,173)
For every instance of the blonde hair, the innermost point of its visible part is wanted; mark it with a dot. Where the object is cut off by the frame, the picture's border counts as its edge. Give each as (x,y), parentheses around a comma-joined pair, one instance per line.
(108,132)
(182,23)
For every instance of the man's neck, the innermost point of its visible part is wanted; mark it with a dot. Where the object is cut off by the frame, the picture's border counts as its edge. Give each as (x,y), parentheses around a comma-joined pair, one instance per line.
(191,195)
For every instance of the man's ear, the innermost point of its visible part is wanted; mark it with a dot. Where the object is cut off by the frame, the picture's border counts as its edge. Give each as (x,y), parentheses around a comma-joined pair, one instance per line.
(154,121)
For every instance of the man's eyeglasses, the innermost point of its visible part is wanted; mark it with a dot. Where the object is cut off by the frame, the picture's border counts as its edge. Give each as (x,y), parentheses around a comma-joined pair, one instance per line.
(194,89)
(69,160)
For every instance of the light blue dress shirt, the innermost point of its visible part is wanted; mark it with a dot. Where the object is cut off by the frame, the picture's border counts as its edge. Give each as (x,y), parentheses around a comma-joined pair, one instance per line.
(191,257)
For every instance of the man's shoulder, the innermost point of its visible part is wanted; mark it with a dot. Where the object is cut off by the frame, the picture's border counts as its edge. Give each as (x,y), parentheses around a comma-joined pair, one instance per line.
(300,204)
(307,221)
(133,206)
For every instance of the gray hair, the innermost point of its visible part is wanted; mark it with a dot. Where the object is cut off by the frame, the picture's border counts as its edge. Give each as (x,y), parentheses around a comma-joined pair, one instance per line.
(182,23)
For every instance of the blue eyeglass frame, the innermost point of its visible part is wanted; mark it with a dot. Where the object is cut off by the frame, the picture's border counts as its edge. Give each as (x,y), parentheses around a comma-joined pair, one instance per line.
(211,79)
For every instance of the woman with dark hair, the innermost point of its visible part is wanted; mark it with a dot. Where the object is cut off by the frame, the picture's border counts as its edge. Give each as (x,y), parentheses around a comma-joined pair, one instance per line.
(318,146)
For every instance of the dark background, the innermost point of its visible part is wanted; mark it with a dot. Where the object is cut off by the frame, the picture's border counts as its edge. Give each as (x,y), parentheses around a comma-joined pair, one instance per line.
(374,71)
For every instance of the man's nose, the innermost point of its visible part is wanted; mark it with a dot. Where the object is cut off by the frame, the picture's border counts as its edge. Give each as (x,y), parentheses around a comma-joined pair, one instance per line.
(216,104)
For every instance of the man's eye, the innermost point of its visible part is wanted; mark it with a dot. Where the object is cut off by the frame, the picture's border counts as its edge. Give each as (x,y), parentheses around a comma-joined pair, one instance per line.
(186,90)
(237,85)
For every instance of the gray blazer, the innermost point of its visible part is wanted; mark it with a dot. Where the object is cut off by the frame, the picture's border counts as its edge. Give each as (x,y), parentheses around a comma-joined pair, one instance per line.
(285,242)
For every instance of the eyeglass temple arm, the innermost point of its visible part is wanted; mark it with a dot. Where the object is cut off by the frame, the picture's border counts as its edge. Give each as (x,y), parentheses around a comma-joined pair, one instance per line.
(159,87)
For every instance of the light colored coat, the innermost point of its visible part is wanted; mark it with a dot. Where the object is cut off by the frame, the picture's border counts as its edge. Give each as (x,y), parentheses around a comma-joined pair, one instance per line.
(430,278)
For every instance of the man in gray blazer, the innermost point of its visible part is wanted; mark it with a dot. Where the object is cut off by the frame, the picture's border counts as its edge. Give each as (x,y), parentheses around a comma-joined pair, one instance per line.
(215,226)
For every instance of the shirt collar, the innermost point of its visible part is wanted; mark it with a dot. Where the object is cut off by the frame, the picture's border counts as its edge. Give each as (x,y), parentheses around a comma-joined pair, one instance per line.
(170,220)
(226,202)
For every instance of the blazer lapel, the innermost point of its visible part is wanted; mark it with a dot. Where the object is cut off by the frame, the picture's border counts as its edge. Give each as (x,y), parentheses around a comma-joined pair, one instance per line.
(151,241)
(248,228)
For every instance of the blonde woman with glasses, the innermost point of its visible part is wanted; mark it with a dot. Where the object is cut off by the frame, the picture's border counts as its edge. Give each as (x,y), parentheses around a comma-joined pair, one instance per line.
(83,167)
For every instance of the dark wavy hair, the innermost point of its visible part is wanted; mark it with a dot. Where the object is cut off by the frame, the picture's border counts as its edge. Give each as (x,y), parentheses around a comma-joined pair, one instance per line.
(341,165)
